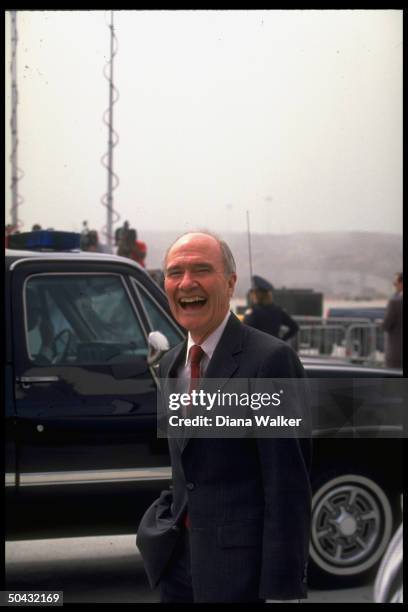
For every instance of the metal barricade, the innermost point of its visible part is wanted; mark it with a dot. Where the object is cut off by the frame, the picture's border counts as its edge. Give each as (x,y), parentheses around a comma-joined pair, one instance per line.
(320,339)
(354,339)
(360,342)
(364,343)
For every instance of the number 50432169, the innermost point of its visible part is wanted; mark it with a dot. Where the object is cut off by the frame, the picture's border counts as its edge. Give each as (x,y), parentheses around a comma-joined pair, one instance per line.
(40,598)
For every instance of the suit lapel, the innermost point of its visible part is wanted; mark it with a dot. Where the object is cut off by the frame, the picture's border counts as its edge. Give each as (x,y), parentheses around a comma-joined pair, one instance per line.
(173,361)
(227,355)
(225,360)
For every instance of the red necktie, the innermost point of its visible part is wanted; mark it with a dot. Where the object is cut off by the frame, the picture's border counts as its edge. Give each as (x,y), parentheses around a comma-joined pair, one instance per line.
(196,354)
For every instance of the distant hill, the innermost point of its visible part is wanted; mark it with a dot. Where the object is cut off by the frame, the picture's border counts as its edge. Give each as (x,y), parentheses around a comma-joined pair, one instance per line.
(343,264)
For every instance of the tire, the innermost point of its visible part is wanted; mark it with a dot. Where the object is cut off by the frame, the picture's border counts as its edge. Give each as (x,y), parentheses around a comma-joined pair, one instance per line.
(352,523)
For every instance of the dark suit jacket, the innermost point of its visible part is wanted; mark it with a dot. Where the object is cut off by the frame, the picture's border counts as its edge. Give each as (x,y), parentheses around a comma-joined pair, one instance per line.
(392,324)
(269,318)
(249,500)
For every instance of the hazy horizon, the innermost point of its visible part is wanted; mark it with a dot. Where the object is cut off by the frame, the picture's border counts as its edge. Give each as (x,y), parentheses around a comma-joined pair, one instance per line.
(294,115)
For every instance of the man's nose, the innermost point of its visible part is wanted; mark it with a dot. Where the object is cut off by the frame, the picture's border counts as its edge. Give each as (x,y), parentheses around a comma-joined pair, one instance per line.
(187,281)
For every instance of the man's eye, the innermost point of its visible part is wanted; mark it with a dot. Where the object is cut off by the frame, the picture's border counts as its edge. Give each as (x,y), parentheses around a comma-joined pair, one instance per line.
(173,273)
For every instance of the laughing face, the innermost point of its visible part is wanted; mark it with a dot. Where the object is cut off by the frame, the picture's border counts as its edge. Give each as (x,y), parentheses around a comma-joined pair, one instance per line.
(196,284)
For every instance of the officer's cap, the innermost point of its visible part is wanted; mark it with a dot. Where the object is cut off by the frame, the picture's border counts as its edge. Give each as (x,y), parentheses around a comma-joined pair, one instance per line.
(260,283)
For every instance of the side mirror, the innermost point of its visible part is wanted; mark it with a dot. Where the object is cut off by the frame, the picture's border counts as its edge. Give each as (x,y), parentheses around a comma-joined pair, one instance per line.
(158,345)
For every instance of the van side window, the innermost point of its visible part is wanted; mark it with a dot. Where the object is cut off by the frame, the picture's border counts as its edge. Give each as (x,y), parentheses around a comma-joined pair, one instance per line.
(81,319)
(159,321)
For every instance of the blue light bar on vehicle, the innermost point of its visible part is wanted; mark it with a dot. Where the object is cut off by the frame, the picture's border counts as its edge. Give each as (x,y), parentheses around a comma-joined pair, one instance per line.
(45,240)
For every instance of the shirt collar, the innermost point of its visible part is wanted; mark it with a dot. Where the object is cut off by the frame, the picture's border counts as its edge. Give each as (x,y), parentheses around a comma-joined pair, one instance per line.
(210,343)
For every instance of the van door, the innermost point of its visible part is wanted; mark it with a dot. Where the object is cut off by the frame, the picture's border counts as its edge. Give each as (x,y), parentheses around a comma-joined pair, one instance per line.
(85,396)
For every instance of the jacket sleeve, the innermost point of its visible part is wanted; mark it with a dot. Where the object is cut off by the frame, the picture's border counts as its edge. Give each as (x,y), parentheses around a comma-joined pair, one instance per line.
(389,318)
(287,518)
(285,467)
(291,324)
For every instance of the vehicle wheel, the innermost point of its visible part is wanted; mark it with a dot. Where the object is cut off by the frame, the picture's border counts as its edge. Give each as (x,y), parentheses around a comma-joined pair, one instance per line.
(352,523)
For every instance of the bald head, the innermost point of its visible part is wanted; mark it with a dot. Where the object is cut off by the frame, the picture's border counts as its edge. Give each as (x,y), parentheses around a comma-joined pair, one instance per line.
(226,254)
(197,283)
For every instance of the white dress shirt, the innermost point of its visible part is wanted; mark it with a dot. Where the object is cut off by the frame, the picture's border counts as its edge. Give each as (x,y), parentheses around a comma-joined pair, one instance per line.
(209,345)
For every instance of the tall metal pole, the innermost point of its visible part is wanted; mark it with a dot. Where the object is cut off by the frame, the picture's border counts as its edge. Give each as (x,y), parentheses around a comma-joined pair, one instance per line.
(109,219)
(249,250)
(107,158)
(15,199)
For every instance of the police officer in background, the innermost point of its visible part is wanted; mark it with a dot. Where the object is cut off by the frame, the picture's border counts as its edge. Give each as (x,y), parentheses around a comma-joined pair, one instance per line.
(264,314)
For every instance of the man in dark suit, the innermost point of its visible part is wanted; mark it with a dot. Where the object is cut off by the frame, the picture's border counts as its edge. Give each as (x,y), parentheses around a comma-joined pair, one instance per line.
(235,526)
(392,325)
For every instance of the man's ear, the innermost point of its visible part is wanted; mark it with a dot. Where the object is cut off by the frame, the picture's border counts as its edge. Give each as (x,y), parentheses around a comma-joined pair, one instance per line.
(231,283)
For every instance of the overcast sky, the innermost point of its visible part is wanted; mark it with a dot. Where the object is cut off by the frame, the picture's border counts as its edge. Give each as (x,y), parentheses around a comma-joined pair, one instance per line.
(295,116)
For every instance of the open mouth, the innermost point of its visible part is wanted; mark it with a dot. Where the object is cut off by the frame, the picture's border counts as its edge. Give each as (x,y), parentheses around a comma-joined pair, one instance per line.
(192,303)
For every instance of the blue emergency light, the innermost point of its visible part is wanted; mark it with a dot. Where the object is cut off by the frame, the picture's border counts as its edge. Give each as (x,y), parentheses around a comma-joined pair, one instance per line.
(45,240)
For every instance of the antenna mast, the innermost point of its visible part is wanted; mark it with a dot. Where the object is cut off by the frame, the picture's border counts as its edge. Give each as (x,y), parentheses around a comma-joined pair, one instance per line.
(113,139)
(16,173)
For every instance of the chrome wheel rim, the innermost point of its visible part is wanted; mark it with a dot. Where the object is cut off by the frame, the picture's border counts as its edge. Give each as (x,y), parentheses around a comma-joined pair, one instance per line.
(351,525)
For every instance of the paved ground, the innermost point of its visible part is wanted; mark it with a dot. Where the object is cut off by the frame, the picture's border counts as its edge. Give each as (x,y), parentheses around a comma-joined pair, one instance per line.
(105,569)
